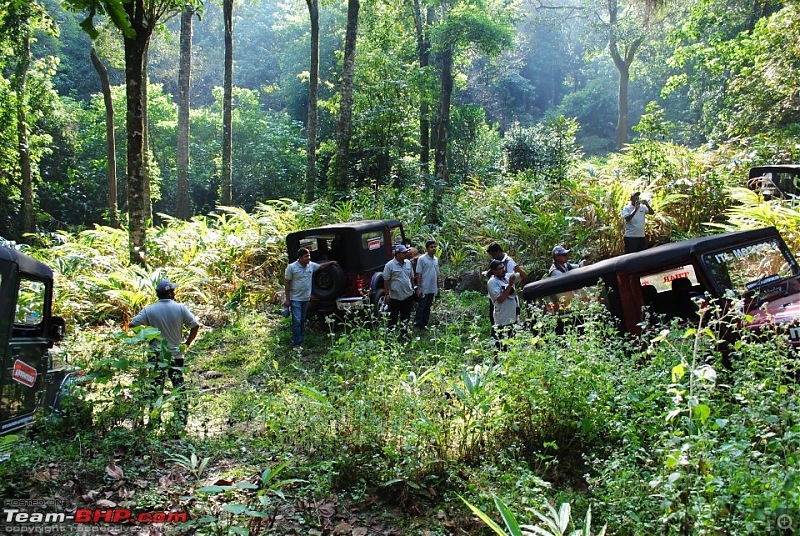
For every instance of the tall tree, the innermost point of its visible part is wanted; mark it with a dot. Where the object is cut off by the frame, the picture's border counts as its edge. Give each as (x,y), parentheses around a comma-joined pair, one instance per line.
(136,19)
(313,85)
(344,132)
(111,142)
(422,22)
(622,53)
(19,85)
(484,25)
(19,19)
(227,107)
(183,209)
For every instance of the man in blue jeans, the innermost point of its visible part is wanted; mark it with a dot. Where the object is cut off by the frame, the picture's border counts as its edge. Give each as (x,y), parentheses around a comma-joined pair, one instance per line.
(297,288)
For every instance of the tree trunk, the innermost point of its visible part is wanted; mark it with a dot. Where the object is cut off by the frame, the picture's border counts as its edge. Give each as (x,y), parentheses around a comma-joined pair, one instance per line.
(344,133)
(227,108)
(623,64)
(341,173)
(135,50)
(313,82)
(20,88)
(622,104)
(147,154)
(111,143)
(442,127)
(183,210)
(423,53)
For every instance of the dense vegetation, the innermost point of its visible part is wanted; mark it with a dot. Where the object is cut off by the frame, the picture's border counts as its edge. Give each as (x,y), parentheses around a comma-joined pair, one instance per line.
(365,433)
(721,72)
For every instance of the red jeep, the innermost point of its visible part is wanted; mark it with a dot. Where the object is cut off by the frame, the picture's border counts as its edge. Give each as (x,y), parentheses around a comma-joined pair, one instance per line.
(752,268)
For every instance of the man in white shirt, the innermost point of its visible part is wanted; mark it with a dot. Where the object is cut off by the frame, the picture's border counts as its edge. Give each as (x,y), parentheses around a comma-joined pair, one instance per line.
(511,267)
(427,284)
(634,215)
(504,299)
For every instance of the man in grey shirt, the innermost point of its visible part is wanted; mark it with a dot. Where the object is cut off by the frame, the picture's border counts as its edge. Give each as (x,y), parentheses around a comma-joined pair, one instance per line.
(169,317)
(298,279)
(427,284)
(398,287)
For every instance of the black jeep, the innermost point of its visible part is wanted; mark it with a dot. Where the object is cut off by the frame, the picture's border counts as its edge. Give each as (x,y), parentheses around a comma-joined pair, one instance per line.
(362,249)
(28,330)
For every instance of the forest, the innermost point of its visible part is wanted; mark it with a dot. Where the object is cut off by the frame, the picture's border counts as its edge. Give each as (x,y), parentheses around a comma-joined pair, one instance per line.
(150,139)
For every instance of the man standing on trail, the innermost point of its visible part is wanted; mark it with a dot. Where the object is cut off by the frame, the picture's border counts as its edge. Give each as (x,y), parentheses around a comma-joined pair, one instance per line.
(513,271)
(427,284)
(398,287)
(169,317)
(504,300)
(297,289)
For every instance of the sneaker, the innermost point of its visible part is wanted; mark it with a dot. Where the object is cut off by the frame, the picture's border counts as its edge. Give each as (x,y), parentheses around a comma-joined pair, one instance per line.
(297,349)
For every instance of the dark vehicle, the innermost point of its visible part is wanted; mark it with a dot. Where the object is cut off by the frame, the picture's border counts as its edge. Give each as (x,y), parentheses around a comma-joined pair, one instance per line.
(672,281)
(361,248)
(775,181)
(28,331)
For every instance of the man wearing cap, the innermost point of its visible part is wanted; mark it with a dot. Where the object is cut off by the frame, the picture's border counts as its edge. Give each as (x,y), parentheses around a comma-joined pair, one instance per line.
(398,287)
(504,300)
(561,264)
(297,292)
(634,215)
(169,317)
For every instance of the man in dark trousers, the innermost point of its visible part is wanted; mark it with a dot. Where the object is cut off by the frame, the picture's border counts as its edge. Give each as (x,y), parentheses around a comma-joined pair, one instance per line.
(398,287)
(169,317)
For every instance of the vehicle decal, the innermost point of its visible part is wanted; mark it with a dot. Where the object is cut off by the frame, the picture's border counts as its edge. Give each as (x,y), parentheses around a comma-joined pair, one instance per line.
(375,243)
(23,373)
(794,333)
(16,423)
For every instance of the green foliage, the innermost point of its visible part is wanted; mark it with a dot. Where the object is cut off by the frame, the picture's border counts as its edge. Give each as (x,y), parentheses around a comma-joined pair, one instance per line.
(751,211)
(128,383)
(241,508)
(192,463)
(548,150)
(553,523)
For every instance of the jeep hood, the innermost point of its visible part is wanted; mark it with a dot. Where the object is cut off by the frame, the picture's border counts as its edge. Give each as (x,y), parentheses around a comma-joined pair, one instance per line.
(784,311)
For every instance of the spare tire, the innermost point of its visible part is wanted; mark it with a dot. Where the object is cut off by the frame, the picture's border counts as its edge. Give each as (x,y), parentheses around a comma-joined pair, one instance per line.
(328,283)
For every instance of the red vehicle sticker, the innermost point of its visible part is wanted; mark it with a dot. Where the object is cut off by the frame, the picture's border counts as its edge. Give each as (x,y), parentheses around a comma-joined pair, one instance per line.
(23,373)
(375,243)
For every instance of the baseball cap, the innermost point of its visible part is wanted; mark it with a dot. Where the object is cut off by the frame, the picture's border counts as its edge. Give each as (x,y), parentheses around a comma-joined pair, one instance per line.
(494,264)
(560,250)
(165,285)
(400,248)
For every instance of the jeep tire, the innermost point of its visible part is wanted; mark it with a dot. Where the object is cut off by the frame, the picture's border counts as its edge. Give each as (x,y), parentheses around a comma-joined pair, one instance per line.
(379,306)
(328,283)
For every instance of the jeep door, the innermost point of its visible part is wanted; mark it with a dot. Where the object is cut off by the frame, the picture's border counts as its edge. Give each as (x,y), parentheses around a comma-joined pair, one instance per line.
(25,358)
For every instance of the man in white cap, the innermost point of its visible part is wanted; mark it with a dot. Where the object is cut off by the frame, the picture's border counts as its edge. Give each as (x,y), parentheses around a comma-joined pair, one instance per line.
(398,275)
(169,317)
(561,264)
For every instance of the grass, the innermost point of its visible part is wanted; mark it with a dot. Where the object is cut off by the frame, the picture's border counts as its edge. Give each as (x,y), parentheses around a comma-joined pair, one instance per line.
(392,433)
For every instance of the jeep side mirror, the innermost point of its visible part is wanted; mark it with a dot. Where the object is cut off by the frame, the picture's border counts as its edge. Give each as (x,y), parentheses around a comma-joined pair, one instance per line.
(58,327)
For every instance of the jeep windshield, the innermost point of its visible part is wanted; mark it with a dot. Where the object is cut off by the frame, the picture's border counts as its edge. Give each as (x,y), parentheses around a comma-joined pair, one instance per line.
(752,268)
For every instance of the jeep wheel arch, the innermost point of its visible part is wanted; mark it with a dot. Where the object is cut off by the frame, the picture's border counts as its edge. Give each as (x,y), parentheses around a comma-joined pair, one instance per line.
(328,283)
